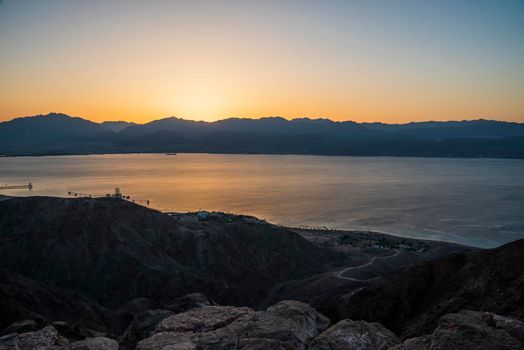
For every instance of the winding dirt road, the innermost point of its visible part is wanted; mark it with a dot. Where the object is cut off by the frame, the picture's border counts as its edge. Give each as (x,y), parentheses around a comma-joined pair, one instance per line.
(370,262)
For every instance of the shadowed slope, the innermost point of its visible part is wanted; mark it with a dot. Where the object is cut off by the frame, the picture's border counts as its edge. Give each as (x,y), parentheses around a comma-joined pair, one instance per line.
(114,251)
(410,301)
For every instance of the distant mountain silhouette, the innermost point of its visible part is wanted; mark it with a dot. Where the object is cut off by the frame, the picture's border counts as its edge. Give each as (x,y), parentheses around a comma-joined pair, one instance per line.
(268,125)
(480,128)
(61,134)
(116,125)
(53,127)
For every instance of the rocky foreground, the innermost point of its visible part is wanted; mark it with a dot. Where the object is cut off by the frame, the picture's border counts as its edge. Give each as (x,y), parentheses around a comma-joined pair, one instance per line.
(109,274)
(286,325)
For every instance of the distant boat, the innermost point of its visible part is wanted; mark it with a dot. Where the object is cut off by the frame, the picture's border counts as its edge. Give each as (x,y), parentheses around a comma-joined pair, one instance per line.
(170,154)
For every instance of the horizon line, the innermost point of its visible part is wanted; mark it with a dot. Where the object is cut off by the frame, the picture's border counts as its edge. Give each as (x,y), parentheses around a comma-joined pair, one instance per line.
(50,114)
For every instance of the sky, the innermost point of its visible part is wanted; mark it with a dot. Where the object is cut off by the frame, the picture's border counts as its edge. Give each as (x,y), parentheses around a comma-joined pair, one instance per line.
(366,60)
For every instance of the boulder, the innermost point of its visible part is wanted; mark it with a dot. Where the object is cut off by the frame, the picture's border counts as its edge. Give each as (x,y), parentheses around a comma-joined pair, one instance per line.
(261,344)
(482,330)
(471,330)
(353,335)
(293,323)
(286,325)
(145,321)
(418,343)
(203,319)
(97,343)
(217,325)
(167,340)
(514,327)
(46,338)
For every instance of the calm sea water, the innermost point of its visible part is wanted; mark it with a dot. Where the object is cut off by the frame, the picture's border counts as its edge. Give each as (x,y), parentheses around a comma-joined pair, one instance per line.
(472,201)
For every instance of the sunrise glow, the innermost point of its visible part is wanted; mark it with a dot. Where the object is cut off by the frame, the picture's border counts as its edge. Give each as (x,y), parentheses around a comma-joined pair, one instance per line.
(390,61)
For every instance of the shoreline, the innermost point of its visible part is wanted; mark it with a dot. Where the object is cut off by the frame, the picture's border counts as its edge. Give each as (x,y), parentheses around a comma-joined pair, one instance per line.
(303,231)
(250,154)
(358,236)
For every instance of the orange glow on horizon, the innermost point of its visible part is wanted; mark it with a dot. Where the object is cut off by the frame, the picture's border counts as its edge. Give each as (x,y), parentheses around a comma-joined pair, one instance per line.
(392,62)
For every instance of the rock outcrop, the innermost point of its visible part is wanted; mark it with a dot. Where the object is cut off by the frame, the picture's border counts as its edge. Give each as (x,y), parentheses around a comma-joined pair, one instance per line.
(47,338)
(286,325)
(97,343)
(468,330)
(291,322)
(355,335)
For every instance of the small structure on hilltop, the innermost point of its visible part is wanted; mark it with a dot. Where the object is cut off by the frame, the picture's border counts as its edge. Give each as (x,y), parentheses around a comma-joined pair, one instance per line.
(116,194)
(203,215)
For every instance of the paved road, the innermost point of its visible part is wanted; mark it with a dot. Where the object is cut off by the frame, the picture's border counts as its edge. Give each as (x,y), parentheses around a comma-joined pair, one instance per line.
(370,262)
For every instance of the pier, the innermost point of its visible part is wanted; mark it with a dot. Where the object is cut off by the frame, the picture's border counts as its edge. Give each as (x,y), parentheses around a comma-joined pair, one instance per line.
(29,186)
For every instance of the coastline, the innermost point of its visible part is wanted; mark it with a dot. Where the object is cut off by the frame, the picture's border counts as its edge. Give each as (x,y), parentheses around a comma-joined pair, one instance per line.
(321,236)
(64,154)
(325,236)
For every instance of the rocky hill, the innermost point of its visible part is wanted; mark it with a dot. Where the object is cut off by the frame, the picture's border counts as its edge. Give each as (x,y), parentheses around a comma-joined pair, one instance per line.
(106,273)
(114,251)
(411,301)
(288,325)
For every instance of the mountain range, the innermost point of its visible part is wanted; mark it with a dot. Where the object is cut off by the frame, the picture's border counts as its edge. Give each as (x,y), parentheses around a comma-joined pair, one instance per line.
(56,133)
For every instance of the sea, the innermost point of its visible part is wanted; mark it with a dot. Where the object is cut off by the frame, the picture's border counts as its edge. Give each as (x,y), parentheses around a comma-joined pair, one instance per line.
(477,202)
